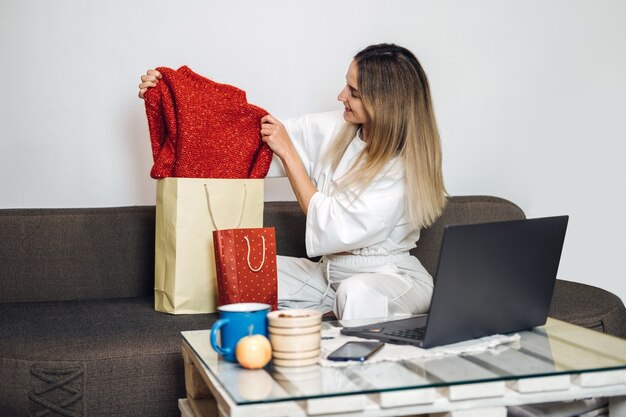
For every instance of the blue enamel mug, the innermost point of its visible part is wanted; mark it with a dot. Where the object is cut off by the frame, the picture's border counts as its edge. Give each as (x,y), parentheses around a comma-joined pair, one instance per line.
(237,321)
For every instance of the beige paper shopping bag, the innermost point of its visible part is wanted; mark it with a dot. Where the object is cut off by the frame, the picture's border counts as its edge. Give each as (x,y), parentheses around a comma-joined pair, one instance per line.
(185,278)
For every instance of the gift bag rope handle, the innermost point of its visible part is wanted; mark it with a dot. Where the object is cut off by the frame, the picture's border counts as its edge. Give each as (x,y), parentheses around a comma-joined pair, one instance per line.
(262,260)
(243,203)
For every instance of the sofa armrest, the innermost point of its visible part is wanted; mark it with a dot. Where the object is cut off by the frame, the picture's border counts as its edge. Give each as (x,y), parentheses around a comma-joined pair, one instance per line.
(588,306)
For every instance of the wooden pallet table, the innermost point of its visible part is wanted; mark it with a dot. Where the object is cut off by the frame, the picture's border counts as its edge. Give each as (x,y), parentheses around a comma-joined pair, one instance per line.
(557,362)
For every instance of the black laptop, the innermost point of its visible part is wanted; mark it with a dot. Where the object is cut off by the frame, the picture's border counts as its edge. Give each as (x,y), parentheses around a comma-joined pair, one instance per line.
(491,278)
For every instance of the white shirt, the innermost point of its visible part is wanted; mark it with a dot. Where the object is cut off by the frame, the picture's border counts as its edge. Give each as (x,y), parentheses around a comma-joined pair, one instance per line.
(372,222)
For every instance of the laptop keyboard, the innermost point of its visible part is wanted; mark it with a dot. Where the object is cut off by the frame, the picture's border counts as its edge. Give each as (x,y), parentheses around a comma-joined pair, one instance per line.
(416,334)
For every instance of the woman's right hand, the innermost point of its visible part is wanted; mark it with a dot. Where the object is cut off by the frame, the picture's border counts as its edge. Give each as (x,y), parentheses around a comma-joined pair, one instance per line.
(149,80)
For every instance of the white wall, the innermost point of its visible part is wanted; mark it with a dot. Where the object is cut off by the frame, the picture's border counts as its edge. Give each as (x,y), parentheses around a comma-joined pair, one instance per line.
(529,96)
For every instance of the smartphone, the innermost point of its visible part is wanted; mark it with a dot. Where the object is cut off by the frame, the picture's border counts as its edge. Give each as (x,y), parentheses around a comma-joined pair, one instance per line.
(355,351)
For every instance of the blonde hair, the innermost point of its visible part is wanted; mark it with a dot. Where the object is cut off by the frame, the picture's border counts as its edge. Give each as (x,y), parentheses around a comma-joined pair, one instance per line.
(395,92)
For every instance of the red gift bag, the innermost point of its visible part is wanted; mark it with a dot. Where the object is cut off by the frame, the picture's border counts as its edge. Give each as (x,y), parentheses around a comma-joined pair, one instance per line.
(245,262)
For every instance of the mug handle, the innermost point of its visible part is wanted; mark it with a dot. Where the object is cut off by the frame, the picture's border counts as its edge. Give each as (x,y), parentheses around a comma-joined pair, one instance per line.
(216,326)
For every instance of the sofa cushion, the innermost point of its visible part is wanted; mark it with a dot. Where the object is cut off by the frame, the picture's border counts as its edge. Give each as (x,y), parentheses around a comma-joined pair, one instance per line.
(290,223)
(120,356)
(462,210)
(45,254)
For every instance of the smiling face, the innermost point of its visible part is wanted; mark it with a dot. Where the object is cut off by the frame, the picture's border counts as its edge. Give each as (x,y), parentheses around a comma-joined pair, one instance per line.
(350,96)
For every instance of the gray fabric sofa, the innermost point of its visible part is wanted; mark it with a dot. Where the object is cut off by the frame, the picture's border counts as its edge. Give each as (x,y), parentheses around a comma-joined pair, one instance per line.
(78,333)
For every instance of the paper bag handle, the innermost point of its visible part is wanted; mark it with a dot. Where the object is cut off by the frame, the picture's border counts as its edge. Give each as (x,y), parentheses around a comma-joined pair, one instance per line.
(262,261)
(243,204)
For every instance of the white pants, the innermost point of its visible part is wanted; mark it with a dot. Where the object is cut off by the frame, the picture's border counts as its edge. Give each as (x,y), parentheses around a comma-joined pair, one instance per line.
(355,287)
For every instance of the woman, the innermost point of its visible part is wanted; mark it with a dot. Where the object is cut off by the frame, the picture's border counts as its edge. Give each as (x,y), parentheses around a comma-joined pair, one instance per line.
(367,183)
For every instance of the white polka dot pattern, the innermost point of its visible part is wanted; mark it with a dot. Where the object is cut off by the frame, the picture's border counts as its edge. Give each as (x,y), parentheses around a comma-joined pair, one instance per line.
(245,261)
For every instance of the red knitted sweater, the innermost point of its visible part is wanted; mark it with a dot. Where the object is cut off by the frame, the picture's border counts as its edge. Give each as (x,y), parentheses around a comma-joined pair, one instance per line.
(202,129)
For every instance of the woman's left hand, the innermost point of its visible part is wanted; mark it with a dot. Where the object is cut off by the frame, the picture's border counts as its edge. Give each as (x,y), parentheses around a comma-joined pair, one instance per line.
(275,135)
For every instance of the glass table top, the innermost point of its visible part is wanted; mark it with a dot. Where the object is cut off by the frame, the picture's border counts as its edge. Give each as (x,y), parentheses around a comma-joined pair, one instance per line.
(553,349)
